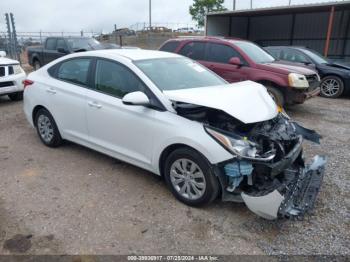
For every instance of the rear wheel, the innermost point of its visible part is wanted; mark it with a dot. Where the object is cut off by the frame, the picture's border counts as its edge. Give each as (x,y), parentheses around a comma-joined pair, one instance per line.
(332,87)
(47,129)
(16,96)
(276,95)
(36,65)
(190,177)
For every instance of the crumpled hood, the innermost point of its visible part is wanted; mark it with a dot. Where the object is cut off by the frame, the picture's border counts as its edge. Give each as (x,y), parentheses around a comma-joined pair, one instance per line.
(246,101)
(7,61)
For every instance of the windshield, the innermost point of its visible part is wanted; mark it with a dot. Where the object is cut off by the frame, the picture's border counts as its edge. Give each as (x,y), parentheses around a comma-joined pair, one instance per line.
(82,43)
(255,53)
(178,73)
(316,57)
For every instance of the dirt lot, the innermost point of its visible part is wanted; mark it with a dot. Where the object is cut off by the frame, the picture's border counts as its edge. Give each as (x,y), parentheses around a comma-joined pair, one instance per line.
(73,200)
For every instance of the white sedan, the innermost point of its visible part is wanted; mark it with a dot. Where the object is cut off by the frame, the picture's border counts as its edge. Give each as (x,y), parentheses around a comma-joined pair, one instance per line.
(170,115)
(11,77)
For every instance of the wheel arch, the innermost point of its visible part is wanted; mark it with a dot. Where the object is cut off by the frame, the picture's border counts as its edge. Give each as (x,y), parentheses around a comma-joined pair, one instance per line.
(35,57)
(167,151)
(334,74)
(271,83)
(35,111)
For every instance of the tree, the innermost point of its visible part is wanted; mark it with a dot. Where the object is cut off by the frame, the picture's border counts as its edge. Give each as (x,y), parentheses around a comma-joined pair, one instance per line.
(200,7)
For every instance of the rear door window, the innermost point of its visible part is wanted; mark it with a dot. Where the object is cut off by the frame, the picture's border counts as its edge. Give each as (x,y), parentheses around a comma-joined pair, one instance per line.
(74,71)
(194,50)
(294,56)
(221,53)
(51,44)
(61,44)
(275,52)
(170,46)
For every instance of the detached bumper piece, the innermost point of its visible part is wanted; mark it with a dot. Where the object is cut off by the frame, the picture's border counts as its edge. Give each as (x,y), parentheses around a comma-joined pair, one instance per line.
(301,196)
(295,199)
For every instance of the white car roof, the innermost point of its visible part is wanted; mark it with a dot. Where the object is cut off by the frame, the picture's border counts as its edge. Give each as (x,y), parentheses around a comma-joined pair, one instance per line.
(7,61)
(132,54)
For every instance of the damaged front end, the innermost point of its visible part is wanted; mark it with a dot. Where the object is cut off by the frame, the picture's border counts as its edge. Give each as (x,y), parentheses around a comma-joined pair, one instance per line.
(267,171)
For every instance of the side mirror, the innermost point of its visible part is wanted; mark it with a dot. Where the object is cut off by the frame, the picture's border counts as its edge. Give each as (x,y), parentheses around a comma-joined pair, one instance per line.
(62,50)
(309,64)
(235,61)
(2,53)
(136,99)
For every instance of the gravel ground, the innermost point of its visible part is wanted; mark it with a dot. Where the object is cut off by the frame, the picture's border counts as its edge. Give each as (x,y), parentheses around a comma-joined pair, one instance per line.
(72,200)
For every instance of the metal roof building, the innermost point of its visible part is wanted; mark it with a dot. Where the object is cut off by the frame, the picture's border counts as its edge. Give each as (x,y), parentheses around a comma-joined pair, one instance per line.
(323,27)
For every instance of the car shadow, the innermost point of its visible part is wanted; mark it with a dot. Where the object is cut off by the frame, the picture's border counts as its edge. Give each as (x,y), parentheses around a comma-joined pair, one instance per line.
(6,101)
(144,177)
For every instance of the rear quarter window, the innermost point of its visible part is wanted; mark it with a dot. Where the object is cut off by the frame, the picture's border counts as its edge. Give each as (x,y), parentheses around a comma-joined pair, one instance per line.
(170,46)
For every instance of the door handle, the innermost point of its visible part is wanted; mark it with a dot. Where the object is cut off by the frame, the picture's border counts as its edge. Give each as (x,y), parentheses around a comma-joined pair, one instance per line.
(95,104)
(51,91)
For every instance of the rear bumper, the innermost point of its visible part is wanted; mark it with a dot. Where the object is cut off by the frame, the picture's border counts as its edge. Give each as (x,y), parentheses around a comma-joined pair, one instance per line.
(295,199)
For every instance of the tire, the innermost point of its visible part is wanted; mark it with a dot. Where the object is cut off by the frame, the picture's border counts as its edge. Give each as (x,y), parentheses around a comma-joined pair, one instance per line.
(276,95)
(47,129)
(36,65)
(332,87)
(16,96)
(176,165)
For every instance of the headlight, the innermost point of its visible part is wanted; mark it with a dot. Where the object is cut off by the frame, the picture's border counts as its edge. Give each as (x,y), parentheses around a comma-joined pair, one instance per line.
(17,69)
(239,146)
(297,81)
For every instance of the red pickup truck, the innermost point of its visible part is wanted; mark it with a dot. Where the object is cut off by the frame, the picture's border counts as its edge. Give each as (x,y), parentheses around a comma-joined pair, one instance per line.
(238,60)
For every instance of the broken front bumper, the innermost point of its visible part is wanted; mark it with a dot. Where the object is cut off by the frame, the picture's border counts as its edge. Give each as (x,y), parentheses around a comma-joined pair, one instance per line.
(298,97)
(296,199)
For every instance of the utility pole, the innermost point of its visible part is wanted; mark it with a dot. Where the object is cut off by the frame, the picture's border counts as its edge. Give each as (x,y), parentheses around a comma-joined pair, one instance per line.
(14,37)
(290,2)
(251,4)
(150,14)
(234,5)
(9,35)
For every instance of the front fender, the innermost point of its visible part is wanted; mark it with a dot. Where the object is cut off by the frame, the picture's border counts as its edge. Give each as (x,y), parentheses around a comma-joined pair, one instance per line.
(207,146)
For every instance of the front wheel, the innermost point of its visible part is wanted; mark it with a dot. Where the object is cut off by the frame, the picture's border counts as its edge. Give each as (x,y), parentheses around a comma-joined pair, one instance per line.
(47,128)
(276,95)
(190,178)
(332,87)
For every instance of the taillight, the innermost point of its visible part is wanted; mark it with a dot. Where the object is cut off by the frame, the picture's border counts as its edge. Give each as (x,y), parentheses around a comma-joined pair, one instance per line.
(27,82)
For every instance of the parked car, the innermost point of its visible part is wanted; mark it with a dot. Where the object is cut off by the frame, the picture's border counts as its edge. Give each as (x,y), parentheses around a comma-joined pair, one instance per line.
(56,47)
(239,60)
(170,115)
(11,77)
(188,30)
(335,75)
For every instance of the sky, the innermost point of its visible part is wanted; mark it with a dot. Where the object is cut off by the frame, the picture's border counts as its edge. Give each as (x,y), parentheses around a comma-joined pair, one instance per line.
(101,15)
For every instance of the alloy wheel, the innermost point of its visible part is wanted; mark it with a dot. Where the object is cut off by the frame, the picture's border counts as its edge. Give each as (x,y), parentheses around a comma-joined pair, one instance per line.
(45,128)
(330,87)
(187,179)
